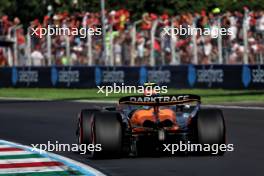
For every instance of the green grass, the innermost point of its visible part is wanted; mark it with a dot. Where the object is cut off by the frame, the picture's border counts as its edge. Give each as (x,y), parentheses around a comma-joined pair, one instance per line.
(208,95)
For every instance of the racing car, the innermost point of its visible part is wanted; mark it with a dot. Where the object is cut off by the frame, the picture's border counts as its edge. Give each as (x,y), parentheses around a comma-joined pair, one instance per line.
(140,125)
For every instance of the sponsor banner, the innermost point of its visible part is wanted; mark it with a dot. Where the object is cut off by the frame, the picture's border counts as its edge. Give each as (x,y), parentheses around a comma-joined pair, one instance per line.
(71,77)
(171,76)
(252,76)
(183,76)
(226,76)
(211,76)
(118,75)
(45,77)
(24,77)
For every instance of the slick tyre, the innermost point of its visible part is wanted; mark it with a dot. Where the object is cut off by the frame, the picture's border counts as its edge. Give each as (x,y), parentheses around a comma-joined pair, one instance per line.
(85,124)
(107,132)
(211,128)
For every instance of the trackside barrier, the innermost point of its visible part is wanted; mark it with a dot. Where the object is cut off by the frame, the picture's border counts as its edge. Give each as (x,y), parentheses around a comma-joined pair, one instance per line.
(182,76)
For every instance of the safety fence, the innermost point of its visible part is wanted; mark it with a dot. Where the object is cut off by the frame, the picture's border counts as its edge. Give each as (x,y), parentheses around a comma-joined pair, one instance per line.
(183,76)
(136,46)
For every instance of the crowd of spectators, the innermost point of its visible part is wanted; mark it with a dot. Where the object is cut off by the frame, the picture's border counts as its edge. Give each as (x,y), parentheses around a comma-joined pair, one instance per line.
(120,42)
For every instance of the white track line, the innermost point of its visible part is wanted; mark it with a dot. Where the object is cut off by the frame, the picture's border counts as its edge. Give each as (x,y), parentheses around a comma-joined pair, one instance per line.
(33,169)
(95,101)
(5,146)
(9,153)
(235,107)
(25,160)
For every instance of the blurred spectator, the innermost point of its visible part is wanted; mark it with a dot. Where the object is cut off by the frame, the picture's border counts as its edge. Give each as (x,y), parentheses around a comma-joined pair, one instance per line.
(37,57)
(3,59)
(125,47)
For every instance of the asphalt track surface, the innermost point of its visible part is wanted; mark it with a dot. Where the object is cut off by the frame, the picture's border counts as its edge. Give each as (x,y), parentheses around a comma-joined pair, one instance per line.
(28,122)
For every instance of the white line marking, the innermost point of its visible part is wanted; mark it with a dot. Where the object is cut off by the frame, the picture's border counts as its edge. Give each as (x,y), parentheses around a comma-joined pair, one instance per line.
(95,101)
(33,169)
(24,99)
(5,146)
(235,107)
(9,153)
(25,160)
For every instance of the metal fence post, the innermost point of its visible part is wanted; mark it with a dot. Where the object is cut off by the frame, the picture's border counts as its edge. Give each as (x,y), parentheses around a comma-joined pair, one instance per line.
(245,38)
(133,41)
(173,40)
(15,61)
(68,49)
(111,46)
(49,49)
(104,54)
(89,50)
(29,61)
(261,58)
(162,47)
(219,42)
(194,40)
(152,36)
(9,54)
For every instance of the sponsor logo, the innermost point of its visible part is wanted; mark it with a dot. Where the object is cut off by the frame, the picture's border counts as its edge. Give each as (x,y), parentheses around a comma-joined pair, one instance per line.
(143,75)
(159,99)
(24,76)
(258,75)
(98,75)
(67,76)
(252,75)
(208,76)
(157,76)
(246,76)
(108,76)
(191,75)
(113,76)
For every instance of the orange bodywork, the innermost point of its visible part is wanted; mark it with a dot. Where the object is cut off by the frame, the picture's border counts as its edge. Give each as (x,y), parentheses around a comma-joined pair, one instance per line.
(140,116)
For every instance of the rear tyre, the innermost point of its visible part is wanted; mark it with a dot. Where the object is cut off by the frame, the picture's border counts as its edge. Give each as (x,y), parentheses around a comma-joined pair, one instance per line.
(107,132)
(211,128)
(84,129)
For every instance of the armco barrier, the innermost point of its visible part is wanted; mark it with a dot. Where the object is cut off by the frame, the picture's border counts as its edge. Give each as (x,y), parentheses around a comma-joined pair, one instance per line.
(184,76)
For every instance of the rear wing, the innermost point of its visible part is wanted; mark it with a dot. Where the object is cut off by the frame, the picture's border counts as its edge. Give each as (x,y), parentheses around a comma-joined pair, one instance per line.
(160,100)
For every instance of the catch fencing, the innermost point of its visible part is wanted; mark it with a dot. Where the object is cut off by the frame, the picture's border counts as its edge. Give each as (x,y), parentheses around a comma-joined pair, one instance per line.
(135,46)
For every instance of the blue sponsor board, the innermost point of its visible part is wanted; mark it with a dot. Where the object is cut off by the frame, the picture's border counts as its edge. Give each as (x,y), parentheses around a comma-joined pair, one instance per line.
(253,76)
(183,76)
(24,77)
(71,77)
(117,75)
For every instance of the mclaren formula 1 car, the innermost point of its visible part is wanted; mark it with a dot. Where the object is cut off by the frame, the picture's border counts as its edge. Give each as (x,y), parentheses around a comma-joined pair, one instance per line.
(141,125)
